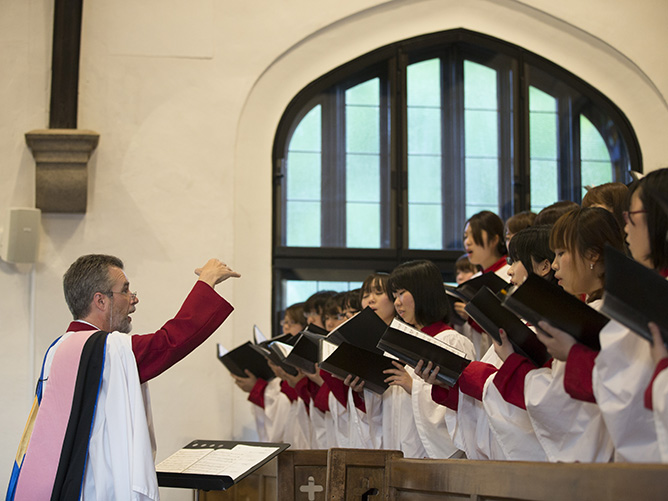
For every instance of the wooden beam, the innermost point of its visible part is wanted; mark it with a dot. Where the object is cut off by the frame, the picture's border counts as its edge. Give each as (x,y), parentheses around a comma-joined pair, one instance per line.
(67,18)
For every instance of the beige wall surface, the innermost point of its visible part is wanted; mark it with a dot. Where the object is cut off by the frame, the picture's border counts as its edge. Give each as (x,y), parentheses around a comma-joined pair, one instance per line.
(186,96)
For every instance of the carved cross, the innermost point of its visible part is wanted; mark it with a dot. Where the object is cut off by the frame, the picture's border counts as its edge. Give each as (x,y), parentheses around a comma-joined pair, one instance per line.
(311,488)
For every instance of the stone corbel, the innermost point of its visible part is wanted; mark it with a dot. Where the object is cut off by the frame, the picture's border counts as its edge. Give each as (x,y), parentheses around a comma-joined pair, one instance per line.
(61,177)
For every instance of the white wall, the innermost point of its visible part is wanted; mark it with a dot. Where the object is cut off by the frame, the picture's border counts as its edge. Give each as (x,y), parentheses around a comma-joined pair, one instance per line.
(186,96)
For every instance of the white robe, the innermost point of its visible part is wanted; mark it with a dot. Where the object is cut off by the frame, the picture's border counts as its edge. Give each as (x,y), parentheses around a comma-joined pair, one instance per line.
(660,412)
(469,427)
(568,429)
(428,415)
(509,424)
(622,372)
(366,429)
(271,420)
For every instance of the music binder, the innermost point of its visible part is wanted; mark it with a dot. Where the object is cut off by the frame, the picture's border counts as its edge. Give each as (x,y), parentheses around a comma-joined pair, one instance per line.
(363,330)
(264,348)
(346,359)
(410,346)
(304,355)
(537,299)
(486,309)
(215,465)
(466,290)
(634,295)
(244,357)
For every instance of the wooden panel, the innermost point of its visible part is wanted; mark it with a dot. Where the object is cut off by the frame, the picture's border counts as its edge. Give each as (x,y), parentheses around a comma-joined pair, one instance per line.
(355,472)
(302,475)
(410,479)
(259,485)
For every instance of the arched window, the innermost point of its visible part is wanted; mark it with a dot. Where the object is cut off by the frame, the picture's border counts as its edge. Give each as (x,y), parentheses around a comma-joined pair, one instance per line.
(384,158)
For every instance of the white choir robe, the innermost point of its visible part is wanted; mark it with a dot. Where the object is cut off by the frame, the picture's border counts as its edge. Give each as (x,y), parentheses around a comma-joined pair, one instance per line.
(366,428)
(320,427)
(509,424)
(660,406)
(469,426)
(569,430)
(271,421)
(430,416)
(339,423)
(399,431)
(298,432)
(622,372)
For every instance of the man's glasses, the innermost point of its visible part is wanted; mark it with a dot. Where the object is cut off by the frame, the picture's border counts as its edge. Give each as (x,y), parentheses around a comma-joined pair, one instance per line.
(133,295)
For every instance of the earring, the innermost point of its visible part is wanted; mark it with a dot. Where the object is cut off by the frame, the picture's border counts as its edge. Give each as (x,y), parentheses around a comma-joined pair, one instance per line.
(591,266)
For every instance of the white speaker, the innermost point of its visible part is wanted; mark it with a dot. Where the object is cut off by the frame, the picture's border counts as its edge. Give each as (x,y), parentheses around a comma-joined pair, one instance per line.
(21,236)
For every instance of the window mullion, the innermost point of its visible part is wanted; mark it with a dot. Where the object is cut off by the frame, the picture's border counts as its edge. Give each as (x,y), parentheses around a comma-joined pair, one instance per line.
(333,202)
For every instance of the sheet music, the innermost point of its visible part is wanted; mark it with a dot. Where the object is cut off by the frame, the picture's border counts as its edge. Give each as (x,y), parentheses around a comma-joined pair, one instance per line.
(222,462)
(257,334)
(326,349)
(401,326)
(222,350)
(182,460)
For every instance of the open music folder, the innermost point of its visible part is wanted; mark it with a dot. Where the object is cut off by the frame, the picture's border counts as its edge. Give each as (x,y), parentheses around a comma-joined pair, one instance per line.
(214,465)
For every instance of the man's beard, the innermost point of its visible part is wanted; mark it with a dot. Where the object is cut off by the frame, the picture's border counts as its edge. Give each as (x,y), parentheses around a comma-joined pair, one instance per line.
(124,325)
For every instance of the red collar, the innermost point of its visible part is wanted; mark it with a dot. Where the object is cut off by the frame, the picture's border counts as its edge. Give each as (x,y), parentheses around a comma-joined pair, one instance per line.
(496,266)
(78,326)
(435,328)
(664,272)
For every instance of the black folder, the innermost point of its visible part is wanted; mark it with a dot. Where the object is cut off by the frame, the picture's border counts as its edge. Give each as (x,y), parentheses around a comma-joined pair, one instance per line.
(363,330)
(245,357)
(410,349)
(634,295)
(367,365)
(465,291)
(209,482)
(265,350)
(486,309)
(304,355)
(537,299)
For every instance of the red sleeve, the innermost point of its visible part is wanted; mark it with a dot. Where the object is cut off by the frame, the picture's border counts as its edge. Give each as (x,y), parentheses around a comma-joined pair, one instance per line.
(359,401)
(201,314)
(663,363)
(289,391)
(321,399)
(448,397)
(472,380)
(578,374)
(303,391)
(475,326)
(257,393)
(509,379)
(336,386)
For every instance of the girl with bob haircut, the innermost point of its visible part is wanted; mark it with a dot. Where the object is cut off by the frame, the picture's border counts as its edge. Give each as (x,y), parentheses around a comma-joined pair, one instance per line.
(529,252)
(424,282)
(420,300)
(484,240)
(609,196)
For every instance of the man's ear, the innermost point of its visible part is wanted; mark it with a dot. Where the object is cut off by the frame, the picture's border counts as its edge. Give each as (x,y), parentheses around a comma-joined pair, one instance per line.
(100,301)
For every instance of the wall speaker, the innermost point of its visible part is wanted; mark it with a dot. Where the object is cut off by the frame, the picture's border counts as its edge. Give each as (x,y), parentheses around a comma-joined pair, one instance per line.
(21,236)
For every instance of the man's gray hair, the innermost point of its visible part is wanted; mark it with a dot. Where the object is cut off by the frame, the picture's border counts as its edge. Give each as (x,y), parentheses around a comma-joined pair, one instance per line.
(86,276)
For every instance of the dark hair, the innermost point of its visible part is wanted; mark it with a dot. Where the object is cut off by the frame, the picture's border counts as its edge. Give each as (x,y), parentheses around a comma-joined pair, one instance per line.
(425,283)
(612,196)
(551,213)
(295,313)
(464,264)
(652,191)
(587,230)
(492,224)
(316,303)
(352,300)
(532,244)
(86,276)
(376,282)
(335,304)
(521,220)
